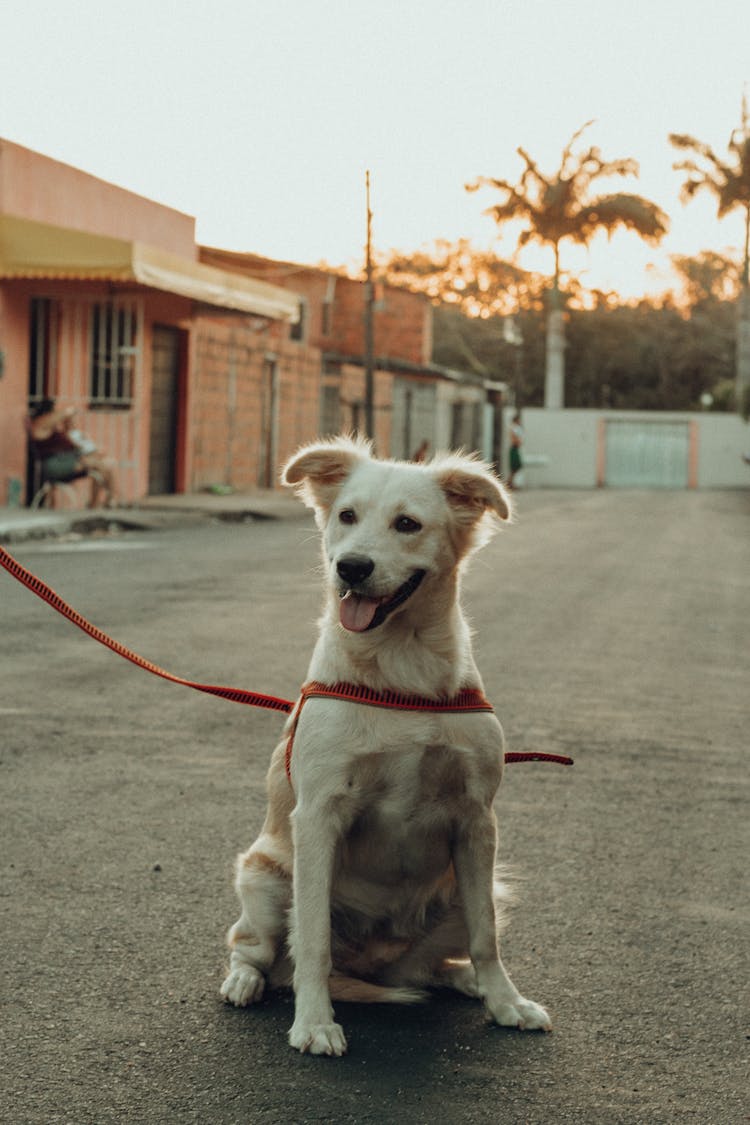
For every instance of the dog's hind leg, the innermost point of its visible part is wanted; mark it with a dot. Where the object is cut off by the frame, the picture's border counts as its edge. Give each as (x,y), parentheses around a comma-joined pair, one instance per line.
(356,991)
(474,856)
(458,975)
(438,959)
(257,938)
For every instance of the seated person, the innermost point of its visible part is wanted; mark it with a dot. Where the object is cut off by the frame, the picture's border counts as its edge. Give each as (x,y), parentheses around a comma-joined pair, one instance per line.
(62,458)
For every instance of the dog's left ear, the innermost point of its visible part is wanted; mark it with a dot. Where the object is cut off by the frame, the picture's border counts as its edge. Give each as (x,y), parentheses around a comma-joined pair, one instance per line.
(474,494)
(316,471)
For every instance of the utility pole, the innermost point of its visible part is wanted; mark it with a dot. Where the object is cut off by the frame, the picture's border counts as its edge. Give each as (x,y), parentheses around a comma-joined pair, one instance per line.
(369,324)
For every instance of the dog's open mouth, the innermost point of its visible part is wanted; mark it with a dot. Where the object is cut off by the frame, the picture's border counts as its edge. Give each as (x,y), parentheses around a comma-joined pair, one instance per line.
(358,613)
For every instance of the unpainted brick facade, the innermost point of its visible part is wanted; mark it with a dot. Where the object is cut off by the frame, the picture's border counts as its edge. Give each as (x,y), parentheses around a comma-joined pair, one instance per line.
(256,398)
(334,308)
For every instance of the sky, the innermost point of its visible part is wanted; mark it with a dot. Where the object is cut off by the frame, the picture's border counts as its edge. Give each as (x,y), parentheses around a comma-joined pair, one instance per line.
(261,118)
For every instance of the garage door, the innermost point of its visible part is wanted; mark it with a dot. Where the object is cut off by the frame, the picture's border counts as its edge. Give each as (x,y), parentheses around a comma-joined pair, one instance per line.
(647,454)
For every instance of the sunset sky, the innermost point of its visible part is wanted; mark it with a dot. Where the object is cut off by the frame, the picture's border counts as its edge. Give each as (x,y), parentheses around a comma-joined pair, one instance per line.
(260,119)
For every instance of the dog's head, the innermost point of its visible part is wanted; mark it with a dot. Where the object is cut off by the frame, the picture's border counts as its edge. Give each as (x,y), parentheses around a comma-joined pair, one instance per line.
(389,527)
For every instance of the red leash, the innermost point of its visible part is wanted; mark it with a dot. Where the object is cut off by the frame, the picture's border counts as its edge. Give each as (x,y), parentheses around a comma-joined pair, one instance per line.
(467,700)
(48,595)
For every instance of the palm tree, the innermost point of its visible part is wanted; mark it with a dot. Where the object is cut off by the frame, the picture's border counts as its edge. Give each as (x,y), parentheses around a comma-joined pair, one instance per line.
(729,182)
(561,206)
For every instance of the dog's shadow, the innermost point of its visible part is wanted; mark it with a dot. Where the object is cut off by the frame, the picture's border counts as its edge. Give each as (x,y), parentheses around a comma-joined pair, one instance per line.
(404,1054)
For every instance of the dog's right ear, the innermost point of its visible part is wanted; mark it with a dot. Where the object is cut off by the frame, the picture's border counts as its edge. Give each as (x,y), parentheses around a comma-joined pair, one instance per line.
(317,470)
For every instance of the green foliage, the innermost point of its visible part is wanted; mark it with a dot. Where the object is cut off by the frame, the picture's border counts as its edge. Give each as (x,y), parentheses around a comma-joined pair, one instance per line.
(724,393)
(707,277)
(484,347)
(475,281)
(658,355)
(649,356)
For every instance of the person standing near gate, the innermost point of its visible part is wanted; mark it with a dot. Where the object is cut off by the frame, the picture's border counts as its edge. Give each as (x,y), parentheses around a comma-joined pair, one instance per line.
(516,441)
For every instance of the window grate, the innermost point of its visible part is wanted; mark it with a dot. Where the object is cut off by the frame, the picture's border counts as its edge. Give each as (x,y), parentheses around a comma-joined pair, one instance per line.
(113,350)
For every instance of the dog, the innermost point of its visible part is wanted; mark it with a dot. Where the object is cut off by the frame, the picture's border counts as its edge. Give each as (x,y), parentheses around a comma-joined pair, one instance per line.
(373,876)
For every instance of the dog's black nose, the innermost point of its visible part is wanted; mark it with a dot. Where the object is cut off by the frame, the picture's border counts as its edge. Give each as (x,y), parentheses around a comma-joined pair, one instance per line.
(354,568)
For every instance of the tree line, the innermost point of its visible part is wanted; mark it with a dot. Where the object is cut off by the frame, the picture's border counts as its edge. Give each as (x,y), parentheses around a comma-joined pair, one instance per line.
(688,349)
(653,354)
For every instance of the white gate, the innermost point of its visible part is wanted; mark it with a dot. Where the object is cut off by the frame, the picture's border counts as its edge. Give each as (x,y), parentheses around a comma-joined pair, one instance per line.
(647,454)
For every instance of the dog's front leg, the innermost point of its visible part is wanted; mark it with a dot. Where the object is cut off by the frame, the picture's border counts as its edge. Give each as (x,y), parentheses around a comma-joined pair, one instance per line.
(314,1030)
(474,862)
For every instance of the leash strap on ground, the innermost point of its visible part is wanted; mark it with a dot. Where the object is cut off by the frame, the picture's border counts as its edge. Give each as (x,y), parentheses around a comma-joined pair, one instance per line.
(468,699)
(48,595)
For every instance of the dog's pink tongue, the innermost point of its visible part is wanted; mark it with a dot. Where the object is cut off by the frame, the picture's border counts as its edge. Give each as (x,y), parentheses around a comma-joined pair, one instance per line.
(356,612)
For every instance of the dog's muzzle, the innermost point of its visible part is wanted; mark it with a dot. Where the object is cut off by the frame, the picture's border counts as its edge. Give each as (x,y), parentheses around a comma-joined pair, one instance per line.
(358,612)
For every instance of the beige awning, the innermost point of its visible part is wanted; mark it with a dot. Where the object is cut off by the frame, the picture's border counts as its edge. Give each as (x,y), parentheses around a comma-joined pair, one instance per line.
(38,250)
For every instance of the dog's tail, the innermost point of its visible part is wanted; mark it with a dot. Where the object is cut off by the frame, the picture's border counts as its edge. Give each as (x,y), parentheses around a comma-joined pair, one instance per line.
(356,991)
(504,895)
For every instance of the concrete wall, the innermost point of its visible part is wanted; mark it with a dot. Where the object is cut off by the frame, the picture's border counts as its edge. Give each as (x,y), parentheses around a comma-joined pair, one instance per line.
(723,438)
(569,447)
(33,186)
(566,439)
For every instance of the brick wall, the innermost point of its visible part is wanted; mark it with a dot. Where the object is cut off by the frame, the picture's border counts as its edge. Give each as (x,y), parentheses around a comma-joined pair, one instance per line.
(335,307)
(230,401)
(402,322)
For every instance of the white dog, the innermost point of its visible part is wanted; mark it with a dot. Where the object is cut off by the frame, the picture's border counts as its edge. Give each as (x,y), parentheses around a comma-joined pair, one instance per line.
(373,875)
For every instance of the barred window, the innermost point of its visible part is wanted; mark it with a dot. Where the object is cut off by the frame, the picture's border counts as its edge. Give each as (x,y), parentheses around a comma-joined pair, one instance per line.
(112,355)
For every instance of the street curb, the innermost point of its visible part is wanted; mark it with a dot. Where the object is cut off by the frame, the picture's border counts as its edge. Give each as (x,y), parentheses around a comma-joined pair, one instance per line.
(26,526)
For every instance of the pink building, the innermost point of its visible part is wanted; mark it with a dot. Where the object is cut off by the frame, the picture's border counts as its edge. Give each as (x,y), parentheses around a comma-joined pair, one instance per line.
(191,366)
(105,306)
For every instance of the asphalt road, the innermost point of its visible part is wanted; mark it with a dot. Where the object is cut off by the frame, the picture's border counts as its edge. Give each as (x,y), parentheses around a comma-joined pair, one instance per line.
(613,626)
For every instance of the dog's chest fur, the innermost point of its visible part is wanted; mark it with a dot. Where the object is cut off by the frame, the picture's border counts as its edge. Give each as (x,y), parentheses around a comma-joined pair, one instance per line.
(402,804)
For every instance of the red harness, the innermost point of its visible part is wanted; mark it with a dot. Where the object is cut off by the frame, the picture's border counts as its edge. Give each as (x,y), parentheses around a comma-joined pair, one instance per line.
(468,699)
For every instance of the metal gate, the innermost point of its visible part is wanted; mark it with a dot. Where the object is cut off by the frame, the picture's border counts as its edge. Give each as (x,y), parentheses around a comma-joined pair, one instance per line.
(646,454)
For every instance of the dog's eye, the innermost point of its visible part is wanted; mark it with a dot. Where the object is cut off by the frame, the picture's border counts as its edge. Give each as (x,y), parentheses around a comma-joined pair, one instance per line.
(347,515)
(407,525)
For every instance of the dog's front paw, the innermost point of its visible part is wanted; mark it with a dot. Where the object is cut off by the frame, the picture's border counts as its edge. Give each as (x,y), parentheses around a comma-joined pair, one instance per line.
(318,1038)
(523,1014)
(243,986)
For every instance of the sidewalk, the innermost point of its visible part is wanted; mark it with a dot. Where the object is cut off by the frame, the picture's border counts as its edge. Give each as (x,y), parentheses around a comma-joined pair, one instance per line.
(151,513)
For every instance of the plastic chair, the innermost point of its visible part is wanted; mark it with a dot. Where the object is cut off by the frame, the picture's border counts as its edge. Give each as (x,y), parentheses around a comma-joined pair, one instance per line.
(48,490)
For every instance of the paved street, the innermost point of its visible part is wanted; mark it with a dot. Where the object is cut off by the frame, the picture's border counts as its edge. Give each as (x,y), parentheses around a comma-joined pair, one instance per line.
(611,625)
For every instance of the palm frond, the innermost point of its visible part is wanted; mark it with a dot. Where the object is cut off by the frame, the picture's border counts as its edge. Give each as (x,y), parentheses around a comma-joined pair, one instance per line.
(621,210)
(568,150)
(531,176)
(556,207)
(685,141)
(728,181)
